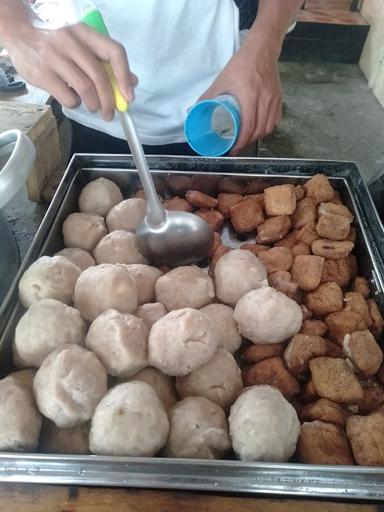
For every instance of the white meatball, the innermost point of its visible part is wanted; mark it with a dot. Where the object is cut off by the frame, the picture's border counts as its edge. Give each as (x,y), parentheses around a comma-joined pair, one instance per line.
(20,421)
(185,287)
(151,313)
(236,273)
(45,326)
(145,277)
(162,384)
(263,425)
(181,341)
(228,335)
(73,440)
(118,247)
(99,196)
(79,257)
(69,384)
(130,421)
(24,377)
(121,342)
(83,230)
(128,214)
(48,278)
(268,316)
(198,430)
(219,380)
(104,287)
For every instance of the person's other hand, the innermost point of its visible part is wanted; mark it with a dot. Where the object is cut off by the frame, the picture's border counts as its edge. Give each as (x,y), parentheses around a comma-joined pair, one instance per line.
(68,64)
(252,76)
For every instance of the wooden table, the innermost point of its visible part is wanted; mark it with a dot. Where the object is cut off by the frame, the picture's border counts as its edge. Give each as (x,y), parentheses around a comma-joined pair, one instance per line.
(39,498)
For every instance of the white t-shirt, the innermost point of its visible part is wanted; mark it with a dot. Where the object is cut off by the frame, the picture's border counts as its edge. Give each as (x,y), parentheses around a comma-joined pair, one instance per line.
(176,48)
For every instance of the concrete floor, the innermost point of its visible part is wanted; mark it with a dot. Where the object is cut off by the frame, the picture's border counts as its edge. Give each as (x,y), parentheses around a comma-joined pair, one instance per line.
(329,113)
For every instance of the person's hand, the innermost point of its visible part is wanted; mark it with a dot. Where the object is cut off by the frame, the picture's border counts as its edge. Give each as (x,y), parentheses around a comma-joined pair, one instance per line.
(252,76)
(68,64)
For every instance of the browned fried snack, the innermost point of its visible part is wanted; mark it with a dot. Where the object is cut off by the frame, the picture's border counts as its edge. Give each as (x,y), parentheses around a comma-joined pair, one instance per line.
(307,313)
(300,350)
(373,396)
(308,393)
(299,192)
(325,410)
(313,327)
(307,271)
(301,250)
(256,353)
(344,322)
(246,216)
(305,213)
(380,374)
(226,201)
(354,301)
(327,298)
(255,248)
(282,282)
(216,243)
(336,199)
(288,241)
(277,258)
(164,269)
(272,372)
(219,252)
(273,229)
(335,209)
(337,271)
(332,249)
(178,184)
(319,188)
(366,435)
(140,194)
(334,379)
(362,349)
(360,285)
(352,263)
(323,443)
(259,198)
(177,204)
(232,185)
(280,200)
(256,186)
(352,236)
(212,217)
(205,183)
(307,234)
(377,319)
(333,227)
(200,200)
(333,349)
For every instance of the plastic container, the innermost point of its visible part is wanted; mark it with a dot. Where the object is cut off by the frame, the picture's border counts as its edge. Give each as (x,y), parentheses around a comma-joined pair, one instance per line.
(212,126)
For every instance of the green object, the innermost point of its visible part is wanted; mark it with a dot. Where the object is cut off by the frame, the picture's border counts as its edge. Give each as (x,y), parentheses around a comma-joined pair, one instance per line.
(95,20)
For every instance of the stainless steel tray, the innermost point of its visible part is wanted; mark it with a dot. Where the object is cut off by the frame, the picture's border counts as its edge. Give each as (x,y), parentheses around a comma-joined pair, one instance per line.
(214,476)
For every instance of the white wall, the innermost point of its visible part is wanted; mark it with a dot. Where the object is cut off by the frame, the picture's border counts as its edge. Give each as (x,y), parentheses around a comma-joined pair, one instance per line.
(372,58)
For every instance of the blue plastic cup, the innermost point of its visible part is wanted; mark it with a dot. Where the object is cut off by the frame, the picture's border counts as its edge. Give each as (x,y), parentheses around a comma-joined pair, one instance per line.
(212,126)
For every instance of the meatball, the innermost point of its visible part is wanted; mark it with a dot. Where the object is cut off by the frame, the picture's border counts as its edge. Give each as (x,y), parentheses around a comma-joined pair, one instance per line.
(162,384)
(73,440)
(69,384)
(145,278)
(128,214)
(219,380)
(120,246)
(263,425)
(198,430)
(228,335)
(181,341)
(268,316)
(45,326)
(48,278)
(20,421)
(185,287)
(83,230)
(236,273)
(130,420)
(99,196)
(105,287)
(82,259)
(121,342)
(151,313)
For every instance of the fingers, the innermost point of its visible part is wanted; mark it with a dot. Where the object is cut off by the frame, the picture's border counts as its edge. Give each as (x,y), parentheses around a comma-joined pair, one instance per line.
(61,92)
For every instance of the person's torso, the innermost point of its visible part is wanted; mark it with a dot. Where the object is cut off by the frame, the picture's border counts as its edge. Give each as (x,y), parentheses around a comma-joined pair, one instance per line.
(176,48)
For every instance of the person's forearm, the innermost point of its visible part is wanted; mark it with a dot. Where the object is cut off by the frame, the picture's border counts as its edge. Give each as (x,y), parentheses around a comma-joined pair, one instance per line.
(273,19)
(14,16)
